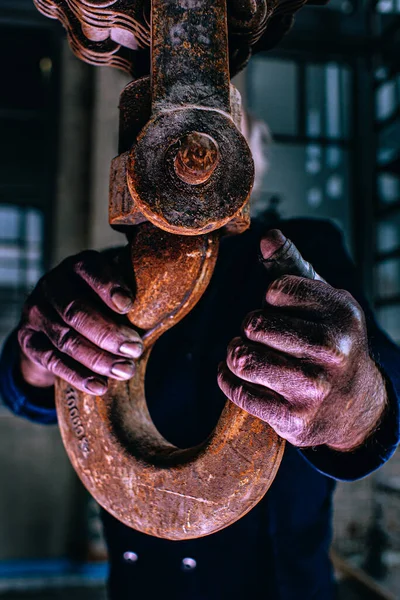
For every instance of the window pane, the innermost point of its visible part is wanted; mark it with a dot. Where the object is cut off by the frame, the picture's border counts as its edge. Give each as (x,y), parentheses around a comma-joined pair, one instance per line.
(388,188)
(9,223)
(333,124)
(389,320)
(34,222)
(346,95)
(388,278)
(386,100)
(315,100)
(389,159)
(21,260)
(328,101)
(388,6)
(389,136)
(273,93)
(318,185)
(388,234)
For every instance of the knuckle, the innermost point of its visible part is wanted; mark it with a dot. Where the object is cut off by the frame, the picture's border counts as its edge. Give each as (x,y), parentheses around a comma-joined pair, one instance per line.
(234,390)
(316,386)
(73,313)
(65,340)
(253,324)
(33,314)
(339,351)
(352,307)
(357,315)
(239,395)
(221,379)
(107,338)
(285,285)
(50,361)
(345,296)
(320,389)
(335,353)
(98,364)
(238,357)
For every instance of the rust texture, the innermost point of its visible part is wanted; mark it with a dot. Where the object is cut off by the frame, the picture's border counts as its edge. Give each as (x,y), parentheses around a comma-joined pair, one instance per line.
(190,92)
(174,205)
(196,158)
(182,178)
(189,54)
(125,207)
(131,470)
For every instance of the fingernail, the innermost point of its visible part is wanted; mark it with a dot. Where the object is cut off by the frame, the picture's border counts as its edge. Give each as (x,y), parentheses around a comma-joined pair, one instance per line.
(134,349)
(124,370)
(271,243)
(122,300)
(96,386)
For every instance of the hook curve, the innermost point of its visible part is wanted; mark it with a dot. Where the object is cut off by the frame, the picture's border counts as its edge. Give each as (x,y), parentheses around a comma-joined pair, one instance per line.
(125,463)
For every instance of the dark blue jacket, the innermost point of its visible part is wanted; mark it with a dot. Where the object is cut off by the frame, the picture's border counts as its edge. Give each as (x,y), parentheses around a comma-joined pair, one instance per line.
(279,551)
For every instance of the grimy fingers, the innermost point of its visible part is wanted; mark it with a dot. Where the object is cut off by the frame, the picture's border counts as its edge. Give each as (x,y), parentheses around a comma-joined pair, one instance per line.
(299,382)
(70,342)
(280,257)
(295,336)
(296,284)
(38,348)
(262,403)
(86,317)
(102,272)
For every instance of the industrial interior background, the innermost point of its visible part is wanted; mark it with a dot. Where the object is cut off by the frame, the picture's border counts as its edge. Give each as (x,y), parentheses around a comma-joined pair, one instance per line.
(331,96)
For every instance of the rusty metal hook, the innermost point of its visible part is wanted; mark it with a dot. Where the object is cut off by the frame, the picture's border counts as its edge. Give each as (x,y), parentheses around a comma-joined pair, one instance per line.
(184,172)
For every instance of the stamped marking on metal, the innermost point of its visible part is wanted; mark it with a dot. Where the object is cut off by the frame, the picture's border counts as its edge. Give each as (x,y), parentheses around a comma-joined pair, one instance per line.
(76,420)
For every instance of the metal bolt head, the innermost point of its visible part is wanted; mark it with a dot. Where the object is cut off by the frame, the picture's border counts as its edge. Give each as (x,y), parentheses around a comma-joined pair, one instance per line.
(196,158)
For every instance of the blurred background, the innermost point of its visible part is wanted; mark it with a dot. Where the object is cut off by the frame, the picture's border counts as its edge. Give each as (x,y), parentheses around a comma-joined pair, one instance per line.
(331,96)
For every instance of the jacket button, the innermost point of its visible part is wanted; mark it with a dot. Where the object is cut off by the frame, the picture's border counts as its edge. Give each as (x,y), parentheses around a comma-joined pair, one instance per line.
(188,564)
(130,557)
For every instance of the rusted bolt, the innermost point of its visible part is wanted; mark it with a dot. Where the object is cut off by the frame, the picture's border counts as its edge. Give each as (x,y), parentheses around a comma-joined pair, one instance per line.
(196,158)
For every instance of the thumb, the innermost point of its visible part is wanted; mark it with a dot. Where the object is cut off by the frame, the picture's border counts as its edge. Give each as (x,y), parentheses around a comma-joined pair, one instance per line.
(280,257)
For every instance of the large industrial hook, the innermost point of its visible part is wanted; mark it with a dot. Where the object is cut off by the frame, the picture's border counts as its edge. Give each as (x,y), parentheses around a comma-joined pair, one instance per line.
(183,175)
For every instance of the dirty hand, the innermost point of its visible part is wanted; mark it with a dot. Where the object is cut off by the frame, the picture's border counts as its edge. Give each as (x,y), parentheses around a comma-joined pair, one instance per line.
(72,325)
(302,363)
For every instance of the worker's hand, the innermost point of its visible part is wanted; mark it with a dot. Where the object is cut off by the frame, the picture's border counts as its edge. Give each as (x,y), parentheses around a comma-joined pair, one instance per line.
(302,363)
(72,325)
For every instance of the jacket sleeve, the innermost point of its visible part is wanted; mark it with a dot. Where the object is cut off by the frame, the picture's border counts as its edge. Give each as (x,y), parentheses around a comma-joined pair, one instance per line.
(34,404)
(322,244)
